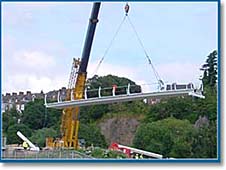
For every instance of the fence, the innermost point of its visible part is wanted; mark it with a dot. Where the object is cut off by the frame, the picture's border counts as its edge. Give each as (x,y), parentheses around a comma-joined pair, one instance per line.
(44,154)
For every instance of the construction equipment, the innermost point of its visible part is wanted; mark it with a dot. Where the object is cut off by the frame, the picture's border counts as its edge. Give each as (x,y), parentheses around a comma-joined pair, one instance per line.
(76,87)
(129,151)
(31,145)
(70,117)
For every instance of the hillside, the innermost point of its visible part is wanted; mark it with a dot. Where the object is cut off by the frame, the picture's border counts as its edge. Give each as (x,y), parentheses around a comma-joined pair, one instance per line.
(120,129)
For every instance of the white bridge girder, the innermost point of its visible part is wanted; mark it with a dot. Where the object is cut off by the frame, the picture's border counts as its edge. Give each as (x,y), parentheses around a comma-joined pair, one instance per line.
(123,98)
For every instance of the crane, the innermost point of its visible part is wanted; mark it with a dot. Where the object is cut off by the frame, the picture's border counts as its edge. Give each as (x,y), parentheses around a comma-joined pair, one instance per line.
(77,82)
(70,115)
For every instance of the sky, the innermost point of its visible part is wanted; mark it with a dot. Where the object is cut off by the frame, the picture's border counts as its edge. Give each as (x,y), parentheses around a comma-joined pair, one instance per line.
(39,41)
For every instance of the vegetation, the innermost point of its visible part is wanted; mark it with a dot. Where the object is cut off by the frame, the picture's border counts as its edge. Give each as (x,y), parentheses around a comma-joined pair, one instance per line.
(210,71)
(39,136)
(12,130)
(92,135)
(101,153)
(107,83)
(172,127)
(182,127)
(171,137)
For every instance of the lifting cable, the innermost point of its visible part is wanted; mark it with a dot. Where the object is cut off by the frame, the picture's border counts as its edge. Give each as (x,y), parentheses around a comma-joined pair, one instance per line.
(145,52)
(110,44)
(160,82)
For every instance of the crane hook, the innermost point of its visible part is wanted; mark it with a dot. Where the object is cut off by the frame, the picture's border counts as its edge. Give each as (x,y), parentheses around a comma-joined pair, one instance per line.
(126,8)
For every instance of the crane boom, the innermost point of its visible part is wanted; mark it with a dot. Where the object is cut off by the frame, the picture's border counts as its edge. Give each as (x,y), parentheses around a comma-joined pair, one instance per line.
(70,117)
(89,37)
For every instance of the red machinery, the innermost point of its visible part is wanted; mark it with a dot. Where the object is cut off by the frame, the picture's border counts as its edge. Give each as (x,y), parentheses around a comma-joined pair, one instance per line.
(129,151)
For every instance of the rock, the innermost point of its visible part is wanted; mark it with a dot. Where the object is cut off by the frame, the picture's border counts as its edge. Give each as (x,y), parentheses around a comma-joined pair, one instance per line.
(119,129)
(201,122)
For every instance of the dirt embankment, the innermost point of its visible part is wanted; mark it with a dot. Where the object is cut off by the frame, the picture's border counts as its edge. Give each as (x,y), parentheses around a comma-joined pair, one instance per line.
(119,129)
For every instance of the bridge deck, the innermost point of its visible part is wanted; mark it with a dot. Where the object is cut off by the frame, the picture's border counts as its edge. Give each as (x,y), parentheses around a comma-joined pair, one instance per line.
(122,98)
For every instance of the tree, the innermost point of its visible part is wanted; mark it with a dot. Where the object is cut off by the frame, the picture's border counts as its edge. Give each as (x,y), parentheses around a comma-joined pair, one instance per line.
(210,71)
(92,135)
(36,116)
(180,108)
(108,82)
(9,118)
(205,143)
(12,137)
(40,135)
(90,114)
(170,137)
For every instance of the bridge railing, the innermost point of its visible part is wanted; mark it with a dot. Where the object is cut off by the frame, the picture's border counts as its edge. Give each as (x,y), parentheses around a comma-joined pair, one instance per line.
(96,93)
(128,89)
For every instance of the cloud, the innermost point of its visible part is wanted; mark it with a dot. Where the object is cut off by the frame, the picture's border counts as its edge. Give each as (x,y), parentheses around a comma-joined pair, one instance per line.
(31,70)
(108,68)
(32,59)
(171,72)
(32,82)
(179,72)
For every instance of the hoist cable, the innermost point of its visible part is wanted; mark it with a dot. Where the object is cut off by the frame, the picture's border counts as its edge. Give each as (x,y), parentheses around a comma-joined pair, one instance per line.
(109,46)
(146,54)
(139,40)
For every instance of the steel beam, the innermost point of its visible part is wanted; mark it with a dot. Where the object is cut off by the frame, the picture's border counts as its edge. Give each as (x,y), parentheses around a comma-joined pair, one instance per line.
(122,98)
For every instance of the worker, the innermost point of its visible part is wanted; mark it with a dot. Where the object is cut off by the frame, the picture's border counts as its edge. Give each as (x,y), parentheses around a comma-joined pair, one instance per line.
(92,147)
(106,154)
(141,156)
(127,9)
(25,145)
(136,156)
(114,87)
(88,151)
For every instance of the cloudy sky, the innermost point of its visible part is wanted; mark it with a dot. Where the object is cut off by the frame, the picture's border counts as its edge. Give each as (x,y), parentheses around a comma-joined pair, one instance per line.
(39,41)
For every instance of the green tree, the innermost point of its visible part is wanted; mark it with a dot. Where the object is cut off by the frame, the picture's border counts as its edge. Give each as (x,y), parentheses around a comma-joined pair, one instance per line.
(12,137)
(90,114)
(180,108)
(92,135)
(205,142)
(170,137)
(36,116)
(210,71)
(107,82)
(9,118)
(40,135)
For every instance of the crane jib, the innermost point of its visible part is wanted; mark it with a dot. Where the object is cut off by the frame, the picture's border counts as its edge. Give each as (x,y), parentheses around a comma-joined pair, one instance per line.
(89,37)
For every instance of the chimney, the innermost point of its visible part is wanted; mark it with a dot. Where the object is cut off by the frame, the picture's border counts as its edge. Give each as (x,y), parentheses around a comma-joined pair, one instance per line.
(21,93)
(28,92)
